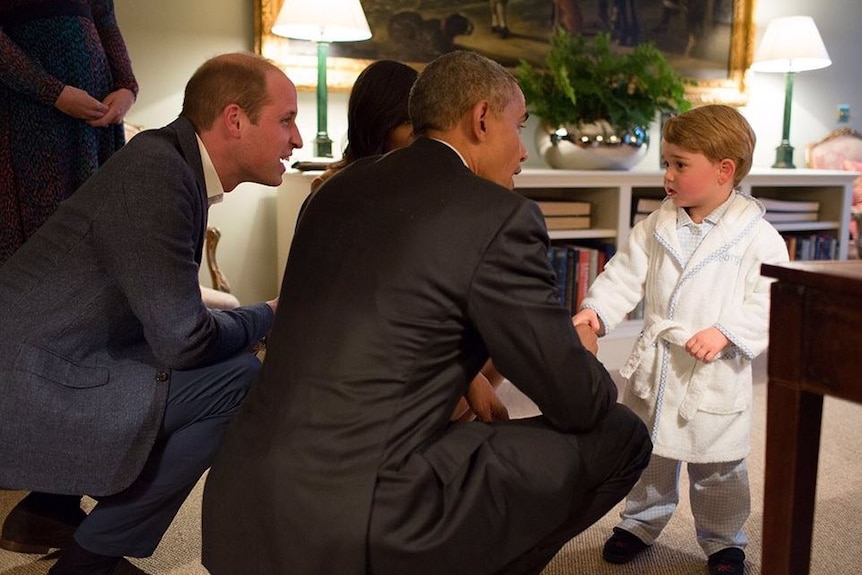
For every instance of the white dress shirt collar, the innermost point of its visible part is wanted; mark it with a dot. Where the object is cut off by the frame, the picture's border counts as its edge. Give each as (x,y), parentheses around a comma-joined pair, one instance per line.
(215,191)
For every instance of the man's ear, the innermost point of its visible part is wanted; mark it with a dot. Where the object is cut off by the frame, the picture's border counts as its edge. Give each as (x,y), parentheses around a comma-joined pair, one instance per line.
(233,117)
(479,120)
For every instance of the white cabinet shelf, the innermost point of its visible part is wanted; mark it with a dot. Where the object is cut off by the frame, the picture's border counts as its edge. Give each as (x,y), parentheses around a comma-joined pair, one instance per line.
(612,194)
(582,234)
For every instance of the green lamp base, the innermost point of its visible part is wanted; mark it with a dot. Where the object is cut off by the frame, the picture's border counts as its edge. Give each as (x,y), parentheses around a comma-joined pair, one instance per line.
(784,156)
(322,145)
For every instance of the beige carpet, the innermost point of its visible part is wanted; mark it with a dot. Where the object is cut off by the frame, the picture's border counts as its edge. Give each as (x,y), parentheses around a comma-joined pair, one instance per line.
(837,548)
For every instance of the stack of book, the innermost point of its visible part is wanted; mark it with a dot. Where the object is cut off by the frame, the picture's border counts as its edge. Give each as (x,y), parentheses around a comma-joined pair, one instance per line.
(644,207)
(565,215)
(790,210)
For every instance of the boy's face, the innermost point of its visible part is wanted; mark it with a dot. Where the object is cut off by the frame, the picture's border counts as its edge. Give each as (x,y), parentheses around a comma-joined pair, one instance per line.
(694,182)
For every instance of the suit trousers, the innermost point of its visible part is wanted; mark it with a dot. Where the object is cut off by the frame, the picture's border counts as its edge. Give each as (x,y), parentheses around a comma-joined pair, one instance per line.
(494,509)
(612,456)
(200,405)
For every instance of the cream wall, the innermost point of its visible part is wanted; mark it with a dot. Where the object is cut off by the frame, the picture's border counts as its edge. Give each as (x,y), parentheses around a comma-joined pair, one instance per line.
(168,39)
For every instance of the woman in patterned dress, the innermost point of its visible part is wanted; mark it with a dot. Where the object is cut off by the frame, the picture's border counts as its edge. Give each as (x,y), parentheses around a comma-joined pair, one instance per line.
(66,83)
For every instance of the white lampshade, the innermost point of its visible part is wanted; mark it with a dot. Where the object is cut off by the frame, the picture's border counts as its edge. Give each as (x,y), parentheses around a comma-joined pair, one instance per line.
(322,21)
(791,44)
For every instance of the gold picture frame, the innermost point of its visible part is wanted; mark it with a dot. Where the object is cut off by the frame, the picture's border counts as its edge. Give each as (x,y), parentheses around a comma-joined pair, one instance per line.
(712,83)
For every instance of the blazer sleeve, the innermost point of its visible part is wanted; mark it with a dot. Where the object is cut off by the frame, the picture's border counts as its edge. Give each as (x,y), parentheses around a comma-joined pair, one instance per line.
(529,334)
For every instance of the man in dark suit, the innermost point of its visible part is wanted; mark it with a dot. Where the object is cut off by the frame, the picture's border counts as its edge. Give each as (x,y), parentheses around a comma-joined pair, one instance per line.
(406,272)
(115,380)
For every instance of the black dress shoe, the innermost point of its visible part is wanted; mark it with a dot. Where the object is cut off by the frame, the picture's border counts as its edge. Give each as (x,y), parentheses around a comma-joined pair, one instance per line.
(75,560)
(40,522)
(126,567)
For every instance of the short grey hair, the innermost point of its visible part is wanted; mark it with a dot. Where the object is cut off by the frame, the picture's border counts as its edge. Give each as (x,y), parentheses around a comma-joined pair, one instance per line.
(452,84)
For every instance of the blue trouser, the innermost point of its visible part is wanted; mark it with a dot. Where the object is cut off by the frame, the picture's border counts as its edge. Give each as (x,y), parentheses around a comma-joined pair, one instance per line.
(200,404)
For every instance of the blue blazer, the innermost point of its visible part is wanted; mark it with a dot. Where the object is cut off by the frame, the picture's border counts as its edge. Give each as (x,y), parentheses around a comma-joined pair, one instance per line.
(97,308)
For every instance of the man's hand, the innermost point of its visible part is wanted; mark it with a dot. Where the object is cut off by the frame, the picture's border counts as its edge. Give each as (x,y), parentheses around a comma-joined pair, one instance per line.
(589,339)
(588,317)
(481,402)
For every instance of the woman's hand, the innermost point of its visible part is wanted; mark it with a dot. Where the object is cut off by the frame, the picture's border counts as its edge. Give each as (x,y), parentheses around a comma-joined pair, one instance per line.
(118,102)
(79,104)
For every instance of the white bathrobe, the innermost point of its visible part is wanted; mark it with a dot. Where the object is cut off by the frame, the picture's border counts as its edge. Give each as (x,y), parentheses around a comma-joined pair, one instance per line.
(698,412)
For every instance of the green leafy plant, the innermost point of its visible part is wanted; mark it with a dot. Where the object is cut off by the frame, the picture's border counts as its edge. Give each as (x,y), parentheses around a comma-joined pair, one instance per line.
(586,81)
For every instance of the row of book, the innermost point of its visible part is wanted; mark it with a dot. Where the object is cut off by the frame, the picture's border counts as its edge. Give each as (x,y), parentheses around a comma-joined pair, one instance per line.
(576,265)
(811,246)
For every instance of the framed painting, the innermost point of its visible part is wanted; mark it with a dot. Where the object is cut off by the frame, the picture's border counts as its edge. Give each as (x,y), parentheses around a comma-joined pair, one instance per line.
(710,42)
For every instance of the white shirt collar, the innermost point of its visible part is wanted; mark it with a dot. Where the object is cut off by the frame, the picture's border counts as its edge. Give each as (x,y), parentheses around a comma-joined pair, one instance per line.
(453,149)
(683,219)
(215,191)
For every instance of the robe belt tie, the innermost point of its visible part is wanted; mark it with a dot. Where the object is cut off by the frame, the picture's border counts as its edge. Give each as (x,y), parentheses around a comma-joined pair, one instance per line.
(672,332)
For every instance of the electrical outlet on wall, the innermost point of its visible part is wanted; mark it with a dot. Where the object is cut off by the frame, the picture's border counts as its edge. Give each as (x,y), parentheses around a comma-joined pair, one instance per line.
(843,114)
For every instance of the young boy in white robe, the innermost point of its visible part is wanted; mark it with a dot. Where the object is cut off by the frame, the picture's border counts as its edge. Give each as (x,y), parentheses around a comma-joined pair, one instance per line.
(696,261)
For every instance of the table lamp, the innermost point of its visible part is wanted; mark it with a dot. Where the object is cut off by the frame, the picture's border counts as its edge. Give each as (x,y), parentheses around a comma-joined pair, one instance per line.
(322,21)
(790,44)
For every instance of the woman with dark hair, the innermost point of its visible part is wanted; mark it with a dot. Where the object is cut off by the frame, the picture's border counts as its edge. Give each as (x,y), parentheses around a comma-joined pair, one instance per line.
(378,122)
(377,118)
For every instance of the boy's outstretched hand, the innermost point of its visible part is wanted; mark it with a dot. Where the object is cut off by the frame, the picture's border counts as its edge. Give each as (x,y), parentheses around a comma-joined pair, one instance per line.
(587,317)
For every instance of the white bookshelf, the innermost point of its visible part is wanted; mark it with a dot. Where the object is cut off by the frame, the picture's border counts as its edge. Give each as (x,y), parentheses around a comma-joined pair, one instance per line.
(612,194)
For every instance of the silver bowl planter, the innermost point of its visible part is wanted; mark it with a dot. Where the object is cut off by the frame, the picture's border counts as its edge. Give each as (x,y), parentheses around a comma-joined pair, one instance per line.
(595,146)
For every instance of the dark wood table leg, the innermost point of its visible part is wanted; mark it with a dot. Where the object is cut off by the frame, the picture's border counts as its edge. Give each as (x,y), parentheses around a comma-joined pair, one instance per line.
(792,448)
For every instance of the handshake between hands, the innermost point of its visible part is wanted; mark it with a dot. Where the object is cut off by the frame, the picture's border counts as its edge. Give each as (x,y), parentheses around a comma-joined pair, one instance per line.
(705,345)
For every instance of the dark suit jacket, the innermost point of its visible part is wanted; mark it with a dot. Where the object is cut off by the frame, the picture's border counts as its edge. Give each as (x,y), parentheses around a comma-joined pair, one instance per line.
(97,308)
(405,272)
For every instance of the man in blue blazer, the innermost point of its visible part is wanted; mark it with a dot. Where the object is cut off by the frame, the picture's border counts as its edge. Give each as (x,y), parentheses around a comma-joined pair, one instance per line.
(406,272)
(115,380)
